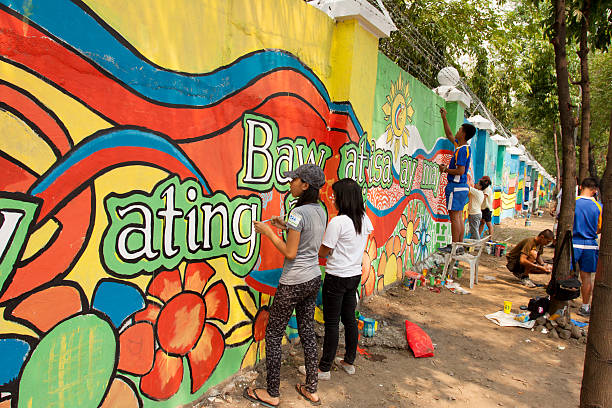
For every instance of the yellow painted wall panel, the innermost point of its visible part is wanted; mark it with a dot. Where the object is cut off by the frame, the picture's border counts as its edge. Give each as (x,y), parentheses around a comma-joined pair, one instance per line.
(199,36)
(19,141)
(363,81)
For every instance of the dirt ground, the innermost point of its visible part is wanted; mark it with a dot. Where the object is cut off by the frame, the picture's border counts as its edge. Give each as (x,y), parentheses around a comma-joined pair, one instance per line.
(476,363)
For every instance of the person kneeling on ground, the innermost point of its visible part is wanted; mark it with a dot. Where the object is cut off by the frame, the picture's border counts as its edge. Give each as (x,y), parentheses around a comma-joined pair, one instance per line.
(526,258)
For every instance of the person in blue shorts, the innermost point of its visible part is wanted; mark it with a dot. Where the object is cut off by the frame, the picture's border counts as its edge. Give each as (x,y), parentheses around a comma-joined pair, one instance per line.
(457,188)
(587,224)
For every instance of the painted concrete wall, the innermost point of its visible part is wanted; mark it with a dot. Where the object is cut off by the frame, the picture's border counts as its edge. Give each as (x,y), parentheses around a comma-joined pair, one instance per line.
(410,214)
(139,142)
(510,184)
(520,191)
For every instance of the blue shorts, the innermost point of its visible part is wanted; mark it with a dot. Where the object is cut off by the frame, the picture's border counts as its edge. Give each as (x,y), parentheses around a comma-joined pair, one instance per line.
(586,253)
(456,196)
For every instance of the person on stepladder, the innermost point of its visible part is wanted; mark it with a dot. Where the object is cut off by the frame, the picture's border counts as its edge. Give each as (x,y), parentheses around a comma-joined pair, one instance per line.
(457,188)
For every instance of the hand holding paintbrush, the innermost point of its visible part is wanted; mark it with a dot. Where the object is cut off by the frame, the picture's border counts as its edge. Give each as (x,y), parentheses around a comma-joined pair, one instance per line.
(276,221)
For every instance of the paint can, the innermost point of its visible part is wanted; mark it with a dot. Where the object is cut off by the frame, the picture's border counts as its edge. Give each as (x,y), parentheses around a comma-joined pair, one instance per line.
(369,326)
(500,249)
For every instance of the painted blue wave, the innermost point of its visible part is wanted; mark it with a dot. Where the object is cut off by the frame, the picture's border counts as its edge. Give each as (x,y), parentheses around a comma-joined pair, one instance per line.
(381,213)
(75,27)
(117,138)
(441,144)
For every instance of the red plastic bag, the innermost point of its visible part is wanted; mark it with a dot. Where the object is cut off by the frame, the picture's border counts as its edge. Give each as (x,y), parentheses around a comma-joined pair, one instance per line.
(419,342)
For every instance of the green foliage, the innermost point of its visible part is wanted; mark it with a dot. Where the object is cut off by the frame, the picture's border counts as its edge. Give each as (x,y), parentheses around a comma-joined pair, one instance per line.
(600,67)
(503,50)
(433,34)
(599,22)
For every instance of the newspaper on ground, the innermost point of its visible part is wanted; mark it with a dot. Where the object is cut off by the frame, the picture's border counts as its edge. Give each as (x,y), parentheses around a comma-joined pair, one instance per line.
(507,320)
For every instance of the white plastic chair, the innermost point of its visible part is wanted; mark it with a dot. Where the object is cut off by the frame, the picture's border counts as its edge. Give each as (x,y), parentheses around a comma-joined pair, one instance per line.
(471,259)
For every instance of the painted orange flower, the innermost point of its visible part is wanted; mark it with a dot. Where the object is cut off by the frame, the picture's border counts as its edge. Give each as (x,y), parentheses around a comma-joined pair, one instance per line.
(390,266)
(410,224)
(184,323)
(368,274)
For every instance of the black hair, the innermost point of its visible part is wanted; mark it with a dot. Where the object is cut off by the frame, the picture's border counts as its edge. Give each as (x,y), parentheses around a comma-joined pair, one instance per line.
(309,196)
(589,182)
(548,234)
(349,200)
(485,182)
(469,131)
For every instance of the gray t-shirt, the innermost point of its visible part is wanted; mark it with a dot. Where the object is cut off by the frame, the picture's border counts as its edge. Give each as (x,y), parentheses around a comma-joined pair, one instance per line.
(310,220)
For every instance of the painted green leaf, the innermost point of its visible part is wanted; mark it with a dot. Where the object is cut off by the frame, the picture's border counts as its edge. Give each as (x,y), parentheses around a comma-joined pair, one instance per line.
(71,366)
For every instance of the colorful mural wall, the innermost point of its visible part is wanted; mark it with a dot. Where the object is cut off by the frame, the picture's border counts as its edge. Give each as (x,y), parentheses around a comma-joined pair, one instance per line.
(509,185)
(498,182)
(410,209)
(520,191)
(138,146)
(490,162)
(136,152)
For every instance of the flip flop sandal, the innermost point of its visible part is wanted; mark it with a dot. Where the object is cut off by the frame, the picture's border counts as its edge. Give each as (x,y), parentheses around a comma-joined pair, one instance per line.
(255,398)
(299,389)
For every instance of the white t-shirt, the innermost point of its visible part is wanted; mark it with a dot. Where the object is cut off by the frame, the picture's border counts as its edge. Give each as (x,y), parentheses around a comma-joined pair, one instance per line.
(347,247)
(488,201)
(476,198)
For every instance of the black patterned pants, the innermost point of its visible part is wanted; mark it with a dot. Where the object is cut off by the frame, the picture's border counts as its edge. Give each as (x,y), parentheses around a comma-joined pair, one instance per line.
(302,298)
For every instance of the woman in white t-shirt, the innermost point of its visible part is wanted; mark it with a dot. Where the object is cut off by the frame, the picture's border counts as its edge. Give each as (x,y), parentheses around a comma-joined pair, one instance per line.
(474,212)
(343,244)
(487,206)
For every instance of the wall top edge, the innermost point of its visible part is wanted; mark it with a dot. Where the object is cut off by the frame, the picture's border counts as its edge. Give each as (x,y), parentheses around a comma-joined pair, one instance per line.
(370,17)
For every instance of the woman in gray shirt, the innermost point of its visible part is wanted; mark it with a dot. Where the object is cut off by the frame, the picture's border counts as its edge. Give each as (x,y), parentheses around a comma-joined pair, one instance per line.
(298,285)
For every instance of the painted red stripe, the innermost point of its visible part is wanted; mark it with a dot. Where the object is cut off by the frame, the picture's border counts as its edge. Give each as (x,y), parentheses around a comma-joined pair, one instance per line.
(74,218)
(91,166)
(80,78)
(260,287)
(14,178)
(37,115)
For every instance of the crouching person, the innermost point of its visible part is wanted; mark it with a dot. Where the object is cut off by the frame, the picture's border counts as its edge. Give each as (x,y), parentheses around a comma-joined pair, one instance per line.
(526,258)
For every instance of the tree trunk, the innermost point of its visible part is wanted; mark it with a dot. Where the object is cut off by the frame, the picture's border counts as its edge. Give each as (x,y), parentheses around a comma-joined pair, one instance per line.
(568,179)
(585,120)
(592,165)
(557,156)
(597,377)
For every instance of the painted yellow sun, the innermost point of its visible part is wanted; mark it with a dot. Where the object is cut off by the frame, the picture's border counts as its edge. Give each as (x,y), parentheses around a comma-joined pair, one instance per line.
(398,111)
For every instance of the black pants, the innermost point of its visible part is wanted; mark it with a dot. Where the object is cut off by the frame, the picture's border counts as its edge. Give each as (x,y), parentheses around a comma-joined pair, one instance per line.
(339,302)
(301,297)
